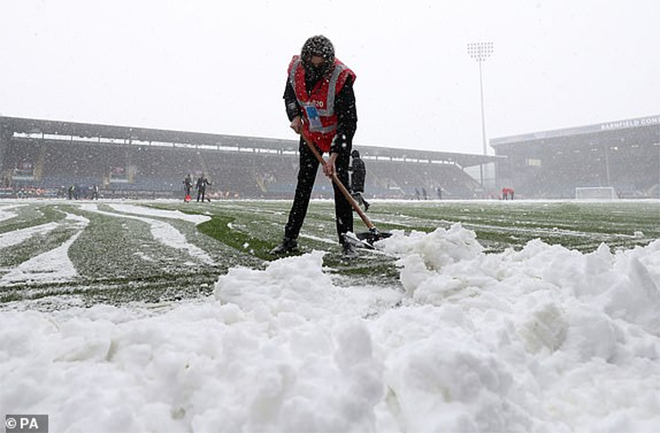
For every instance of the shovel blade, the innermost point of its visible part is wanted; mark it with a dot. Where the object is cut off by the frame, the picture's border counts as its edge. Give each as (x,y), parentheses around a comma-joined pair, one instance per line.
(372,236)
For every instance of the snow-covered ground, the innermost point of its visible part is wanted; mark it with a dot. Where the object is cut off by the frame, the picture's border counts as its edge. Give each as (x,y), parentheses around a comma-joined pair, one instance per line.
(544,339)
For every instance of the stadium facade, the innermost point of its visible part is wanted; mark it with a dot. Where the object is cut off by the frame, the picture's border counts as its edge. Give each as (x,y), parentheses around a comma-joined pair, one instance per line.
(623,155)
(48,157)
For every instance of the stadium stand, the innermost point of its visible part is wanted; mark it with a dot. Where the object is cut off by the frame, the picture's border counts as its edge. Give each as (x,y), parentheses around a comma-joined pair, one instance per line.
(624,155)
(44,158)
(51,156)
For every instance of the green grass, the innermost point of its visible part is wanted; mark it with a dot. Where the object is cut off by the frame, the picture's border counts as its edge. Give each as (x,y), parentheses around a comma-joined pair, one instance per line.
(32,215)
(119,261)
(227,230)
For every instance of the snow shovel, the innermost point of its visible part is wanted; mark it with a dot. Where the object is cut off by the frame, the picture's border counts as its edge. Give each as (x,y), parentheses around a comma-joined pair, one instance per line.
(367,238)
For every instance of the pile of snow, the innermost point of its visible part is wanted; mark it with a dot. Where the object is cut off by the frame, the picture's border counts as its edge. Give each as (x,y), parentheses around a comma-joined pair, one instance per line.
(543,339)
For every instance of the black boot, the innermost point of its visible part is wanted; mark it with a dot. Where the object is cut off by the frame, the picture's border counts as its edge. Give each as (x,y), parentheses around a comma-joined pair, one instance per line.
(287,245)
(348,248)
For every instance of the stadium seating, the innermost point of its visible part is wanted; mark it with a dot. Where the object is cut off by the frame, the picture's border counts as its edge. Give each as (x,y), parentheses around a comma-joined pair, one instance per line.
(159,171)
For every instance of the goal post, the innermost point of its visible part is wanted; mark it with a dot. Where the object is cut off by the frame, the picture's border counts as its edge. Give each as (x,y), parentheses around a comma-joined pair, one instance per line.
(595,193)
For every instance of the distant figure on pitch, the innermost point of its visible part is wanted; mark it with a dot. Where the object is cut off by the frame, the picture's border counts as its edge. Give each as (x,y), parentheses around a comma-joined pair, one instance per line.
(187,187)
(95,192)
(359,173)
(201,188)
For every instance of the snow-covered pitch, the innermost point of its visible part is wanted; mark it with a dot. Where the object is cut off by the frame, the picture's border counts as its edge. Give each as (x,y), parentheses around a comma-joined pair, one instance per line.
(541,339)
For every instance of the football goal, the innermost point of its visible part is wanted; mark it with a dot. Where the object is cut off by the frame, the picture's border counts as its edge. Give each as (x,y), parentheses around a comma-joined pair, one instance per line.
(595,193)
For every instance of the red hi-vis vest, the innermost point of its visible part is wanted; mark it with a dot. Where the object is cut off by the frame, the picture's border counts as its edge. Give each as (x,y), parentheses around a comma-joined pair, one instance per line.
(320,119)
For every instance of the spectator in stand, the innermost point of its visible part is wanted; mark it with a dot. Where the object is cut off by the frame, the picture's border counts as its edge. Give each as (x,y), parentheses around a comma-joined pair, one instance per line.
(358,176)
(202,182)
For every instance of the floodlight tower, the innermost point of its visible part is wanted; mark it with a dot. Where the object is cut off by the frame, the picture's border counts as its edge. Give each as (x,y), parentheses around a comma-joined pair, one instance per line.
(480,51)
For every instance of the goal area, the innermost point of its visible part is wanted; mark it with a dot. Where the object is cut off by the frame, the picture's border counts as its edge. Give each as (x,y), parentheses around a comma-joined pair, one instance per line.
(595,193)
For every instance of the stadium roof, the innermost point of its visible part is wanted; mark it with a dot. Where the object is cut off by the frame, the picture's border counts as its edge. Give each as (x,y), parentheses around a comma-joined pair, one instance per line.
(131,134)
(639,122)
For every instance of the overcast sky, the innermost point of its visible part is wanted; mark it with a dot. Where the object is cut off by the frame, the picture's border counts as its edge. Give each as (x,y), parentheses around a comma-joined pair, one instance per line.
(220,66)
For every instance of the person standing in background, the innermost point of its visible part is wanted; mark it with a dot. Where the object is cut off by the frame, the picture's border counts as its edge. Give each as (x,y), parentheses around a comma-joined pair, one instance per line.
(95,192)
(202,182)
(358,177)
(187,187)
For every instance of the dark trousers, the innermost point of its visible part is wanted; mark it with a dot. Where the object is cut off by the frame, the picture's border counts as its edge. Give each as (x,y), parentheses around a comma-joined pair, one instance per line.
(309,166)
(359,198)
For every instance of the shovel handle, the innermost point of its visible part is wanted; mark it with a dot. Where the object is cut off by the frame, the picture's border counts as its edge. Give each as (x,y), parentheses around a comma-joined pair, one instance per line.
(342,188)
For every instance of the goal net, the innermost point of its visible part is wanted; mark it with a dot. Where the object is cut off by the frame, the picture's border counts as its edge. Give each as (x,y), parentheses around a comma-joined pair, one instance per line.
(595,193)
